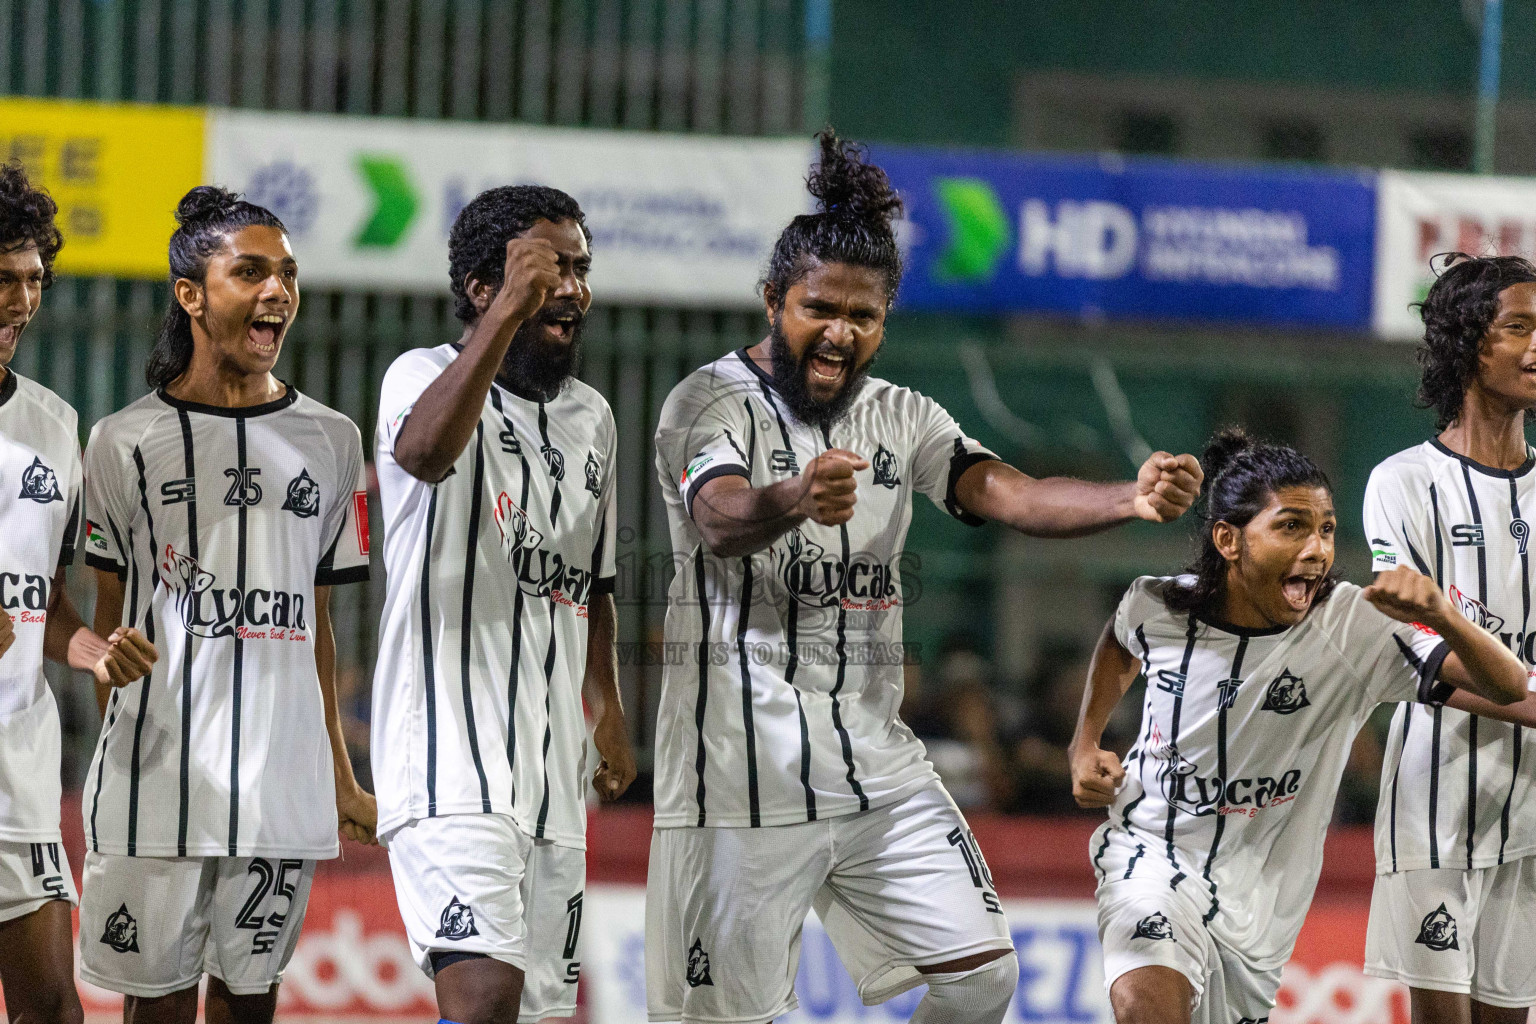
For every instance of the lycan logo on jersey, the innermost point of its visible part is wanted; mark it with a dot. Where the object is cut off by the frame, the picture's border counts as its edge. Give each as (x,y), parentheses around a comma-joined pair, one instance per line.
(1184,788)
(1475,611)
(540,572)
(39,484)
(303,498)
(516,531)
(210,611)
(813,578)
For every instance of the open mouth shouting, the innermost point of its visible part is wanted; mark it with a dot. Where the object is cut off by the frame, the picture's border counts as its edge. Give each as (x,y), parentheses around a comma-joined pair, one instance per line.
(1300,588)
(560,324)
(266,333)
(10,333)
(828,367)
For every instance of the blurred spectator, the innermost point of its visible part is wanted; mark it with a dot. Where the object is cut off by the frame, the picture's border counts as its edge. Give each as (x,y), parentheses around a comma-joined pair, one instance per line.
(1043,780)
(959,723)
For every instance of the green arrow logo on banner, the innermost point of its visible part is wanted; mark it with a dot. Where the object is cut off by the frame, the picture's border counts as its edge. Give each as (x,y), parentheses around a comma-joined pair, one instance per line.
(397,201)
(978,230)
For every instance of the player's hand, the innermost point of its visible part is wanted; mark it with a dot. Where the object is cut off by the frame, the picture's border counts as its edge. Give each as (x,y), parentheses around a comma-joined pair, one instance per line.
(1409,596)
(1166,485)
(531,273)
(829,487)
(357,813)
(7,633)
(616,769)
(130,656)
(1096,776)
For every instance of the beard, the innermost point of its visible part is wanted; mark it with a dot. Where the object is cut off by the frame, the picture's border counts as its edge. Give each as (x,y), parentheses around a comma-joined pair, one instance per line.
(789,376)
(535,365)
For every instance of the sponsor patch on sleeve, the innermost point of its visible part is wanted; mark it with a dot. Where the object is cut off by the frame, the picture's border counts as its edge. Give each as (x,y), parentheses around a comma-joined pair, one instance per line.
(360,519)
(96,538)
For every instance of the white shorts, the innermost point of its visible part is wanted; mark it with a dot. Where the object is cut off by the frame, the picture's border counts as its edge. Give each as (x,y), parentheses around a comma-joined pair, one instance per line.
(476,883)
(32,874)
(1454,930)
(150,926)
(1143,922)
(895,886)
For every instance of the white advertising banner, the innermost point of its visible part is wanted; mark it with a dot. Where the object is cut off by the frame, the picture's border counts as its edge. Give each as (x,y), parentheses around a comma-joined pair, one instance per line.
(1420,215)
(677,219)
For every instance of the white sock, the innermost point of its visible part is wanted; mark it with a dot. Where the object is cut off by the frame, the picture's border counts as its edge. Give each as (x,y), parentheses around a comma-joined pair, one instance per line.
(978,996)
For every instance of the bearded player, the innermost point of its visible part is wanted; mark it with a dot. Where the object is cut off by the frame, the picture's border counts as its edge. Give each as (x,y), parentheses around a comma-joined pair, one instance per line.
(496,473)
(788,781)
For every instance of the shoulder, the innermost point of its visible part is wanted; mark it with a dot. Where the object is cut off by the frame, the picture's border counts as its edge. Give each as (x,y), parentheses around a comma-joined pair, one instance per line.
(127,426)
(583,396)
(1407,468)
(323,415)
(1147,596)
(48,403)
(879,391)
(418,362)
(725,378)
(1345,605)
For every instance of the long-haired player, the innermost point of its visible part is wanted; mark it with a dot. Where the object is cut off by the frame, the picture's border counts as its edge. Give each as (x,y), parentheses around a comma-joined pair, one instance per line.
(223,507)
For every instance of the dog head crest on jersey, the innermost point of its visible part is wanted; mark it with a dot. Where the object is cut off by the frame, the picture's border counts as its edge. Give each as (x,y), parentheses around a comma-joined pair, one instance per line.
(1156,927)
(303,496)
(698,966)
(1286,695)
(39,484)
(1438,930)
(122,931)
(884,464)
(457,921)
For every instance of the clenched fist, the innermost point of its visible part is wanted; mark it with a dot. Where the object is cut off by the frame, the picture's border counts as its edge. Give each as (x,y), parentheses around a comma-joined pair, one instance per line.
(1409,596)
(1166,486)
(1096,776)
(531,272)
(130,656)
(830,489)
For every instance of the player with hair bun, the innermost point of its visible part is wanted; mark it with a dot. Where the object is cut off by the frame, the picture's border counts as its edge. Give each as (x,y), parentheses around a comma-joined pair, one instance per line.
(39,520)
(784,777)
(221,509)
(1455,824)
(1261,668)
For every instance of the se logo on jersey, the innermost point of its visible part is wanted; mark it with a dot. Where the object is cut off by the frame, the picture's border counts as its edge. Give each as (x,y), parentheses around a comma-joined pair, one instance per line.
(39,484)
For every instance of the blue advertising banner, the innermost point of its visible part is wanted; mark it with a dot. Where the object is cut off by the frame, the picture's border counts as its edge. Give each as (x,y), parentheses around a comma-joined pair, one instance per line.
(1135,238)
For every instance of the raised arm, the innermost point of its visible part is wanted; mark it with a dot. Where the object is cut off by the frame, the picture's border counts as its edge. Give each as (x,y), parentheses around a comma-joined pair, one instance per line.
(1477,662)
(444,417)
(1096,772)
(735,518)
(1163,490)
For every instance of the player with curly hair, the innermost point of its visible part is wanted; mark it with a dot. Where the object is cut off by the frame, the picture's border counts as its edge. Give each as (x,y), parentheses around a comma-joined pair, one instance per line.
(496,474)
(40,476)
(784,777)
(1456,821)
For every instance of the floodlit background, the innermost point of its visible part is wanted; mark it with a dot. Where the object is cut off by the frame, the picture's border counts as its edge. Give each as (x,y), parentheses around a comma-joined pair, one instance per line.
(1130,223)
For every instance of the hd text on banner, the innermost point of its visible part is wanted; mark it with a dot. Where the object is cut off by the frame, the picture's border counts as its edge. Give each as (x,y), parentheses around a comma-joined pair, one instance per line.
(687,220)
(1125,238)
(116,171)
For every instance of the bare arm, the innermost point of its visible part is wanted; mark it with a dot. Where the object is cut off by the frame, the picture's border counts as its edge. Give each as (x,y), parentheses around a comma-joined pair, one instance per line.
(109,615)
(356,810)
(444,417)
(735,518)
(124,656)
(1478,663)
(1163,490)
(600,689)
(1096,772)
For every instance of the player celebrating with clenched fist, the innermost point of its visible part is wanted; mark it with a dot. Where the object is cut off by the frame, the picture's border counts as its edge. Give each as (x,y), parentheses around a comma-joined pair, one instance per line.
(784,777)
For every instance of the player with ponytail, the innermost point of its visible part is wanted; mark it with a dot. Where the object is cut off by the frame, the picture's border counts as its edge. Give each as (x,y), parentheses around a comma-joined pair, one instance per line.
(788,781)
(1261,666)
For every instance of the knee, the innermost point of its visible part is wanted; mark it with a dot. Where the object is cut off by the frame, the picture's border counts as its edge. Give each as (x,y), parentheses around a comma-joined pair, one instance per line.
(53,1004)
(978,996)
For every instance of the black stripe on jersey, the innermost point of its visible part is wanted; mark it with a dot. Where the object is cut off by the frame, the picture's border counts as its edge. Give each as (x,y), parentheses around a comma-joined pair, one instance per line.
(466,622)
(186,655)
(1418,559)
(1173,736)
(1141,848)
(517,613)
(554,502)
(791,629)
(428,668)
(842,662)
(1482,595)
(743,623)
(1407,715)
(1525,624)
(106,734)
(961,461)
(549,685)
(149,634)
(699,581)
(1434,735)
(71,533)
(1236,676)
(239,666)
(1434,505)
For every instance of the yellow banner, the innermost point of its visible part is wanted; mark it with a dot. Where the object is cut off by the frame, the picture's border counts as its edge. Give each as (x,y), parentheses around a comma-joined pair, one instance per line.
(116,171)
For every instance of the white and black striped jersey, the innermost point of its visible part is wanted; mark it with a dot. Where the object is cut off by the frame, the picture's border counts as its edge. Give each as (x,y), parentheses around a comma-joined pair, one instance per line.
(783,673)
(221,523)
(39,519)
(1456,789)
(1244,737)
(477,704)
